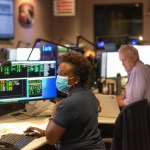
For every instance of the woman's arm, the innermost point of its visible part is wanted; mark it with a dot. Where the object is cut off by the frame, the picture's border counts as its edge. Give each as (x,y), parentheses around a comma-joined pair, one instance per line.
(53,131)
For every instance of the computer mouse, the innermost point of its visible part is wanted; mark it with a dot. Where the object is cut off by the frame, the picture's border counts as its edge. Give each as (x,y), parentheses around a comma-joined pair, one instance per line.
(32,132)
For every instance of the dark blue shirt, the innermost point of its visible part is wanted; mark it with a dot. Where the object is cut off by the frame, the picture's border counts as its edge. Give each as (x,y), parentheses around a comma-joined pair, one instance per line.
(78,113)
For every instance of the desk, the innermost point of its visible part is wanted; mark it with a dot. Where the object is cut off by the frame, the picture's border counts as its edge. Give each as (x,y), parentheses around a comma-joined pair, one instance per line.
(106,120)
(10,124)
(106,126)
(110,109)
(109,113)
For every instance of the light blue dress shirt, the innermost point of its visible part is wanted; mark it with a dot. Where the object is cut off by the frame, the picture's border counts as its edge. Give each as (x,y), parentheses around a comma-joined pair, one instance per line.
(138,86)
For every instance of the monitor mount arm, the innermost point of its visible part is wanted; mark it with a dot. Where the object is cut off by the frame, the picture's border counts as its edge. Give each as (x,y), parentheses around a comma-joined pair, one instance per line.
(81,37)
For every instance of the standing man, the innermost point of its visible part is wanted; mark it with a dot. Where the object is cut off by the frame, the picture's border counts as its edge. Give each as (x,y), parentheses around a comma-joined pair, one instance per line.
(138,85)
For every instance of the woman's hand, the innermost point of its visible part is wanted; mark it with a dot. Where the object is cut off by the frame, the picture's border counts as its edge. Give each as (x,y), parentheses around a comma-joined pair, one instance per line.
(34,131)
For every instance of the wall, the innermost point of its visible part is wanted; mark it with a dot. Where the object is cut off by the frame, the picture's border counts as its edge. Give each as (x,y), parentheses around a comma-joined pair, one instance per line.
(64,29)
(41,27)
(87,27)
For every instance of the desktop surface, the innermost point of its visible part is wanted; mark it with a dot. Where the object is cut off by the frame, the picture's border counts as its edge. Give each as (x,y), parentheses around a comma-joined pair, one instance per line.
(110,109)
(108,115)
(16,125)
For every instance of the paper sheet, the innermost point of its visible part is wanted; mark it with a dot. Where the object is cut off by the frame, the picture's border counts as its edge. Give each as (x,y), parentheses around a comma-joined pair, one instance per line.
(18,127)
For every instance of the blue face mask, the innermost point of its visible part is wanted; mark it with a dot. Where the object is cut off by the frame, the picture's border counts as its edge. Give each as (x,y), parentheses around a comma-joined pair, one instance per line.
(62,84)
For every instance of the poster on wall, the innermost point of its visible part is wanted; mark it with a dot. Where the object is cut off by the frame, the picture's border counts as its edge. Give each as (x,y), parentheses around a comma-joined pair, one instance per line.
(26,15)
(64,7)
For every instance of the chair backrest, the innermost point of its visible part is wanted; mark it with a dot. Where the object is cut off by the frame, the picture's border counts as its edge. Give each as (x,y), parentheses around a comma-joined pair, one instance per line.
(132,130)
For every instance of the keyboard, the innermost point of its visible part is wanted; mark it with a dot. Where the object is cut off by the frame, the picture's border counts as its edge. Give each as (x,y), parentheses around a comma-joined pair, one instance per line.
(7,146)
(17,140)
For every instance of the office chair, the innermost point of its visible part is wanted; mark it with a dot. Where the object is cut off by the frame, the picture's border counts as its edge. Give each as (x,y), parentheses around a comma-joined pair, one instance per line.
(132,128)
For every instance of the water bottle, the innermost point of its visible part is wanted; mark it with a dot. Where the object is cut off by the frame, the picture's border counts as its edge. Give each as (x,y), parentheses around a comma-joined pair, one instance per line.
(118,84)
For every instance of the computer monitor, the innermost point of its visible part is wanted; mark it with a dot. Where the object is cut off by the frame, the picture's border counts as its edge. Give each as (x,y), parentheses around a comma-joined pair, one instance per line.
(7,19)
(23,54)
(144,53)
(47,49)
(60,51)
(11,54)
(111,65)
(25,81)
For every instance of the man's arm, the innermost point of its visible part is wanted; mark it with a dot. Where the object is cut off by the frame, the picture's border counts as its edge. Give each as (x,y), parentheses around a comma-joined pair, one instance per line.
(121,101)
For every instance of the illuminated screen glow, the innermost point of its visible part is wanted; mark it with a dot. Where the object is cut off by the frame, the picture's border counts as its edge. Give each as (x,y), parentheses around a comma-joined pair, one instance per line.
(144,53)
(28,81)
(7,19)
(23,54)
(111,65)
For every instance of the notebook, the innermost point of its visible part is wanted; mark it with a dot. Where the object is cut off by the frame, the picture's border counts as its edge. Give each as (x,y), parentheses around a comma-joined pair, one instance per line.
(109,106)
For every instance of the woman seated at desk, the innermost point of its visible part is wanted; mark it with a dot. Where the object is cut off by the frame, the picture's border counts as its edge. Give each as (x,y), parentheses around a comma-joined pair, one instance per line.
(74,123)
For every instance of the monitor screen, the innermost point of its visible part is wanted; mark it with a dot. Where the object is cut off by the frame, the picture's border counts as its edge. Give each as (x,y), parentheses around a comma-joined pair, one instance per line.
(111,65)
(144,53)
(60,51)
(11,54)
(25,81)
(23,54)
(43,50)
(7,19)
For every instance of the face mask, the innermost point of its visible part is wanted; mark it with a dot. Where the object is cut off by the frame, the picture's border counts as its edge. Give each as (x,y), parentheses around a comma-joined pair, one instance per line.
(62,84)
